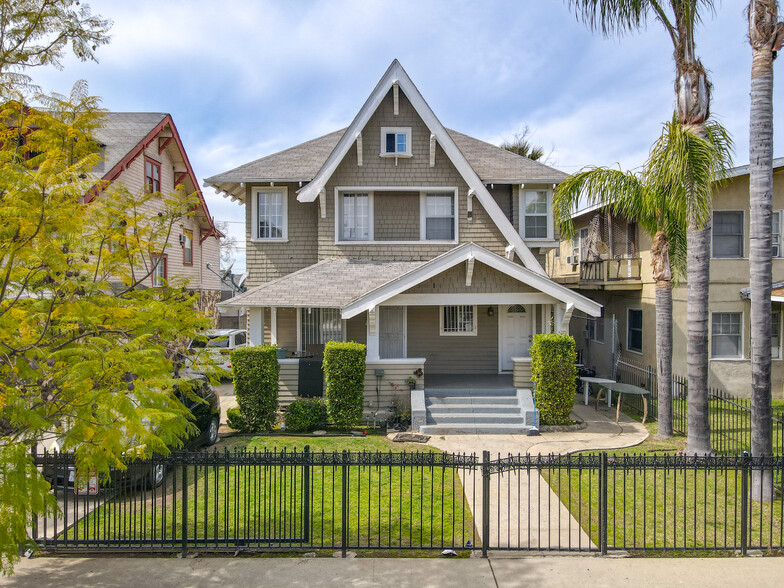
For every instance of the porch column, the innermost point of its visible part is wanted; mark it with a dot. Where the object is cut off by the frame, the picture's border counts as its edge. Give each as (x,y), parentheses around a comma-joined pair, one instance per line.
(256,325)
(372,335)
(274,325)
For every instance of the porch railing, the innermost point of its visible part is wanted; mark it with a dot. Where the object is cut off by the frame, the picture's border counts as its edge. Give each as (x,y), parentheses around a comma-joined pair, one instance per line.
(610,270)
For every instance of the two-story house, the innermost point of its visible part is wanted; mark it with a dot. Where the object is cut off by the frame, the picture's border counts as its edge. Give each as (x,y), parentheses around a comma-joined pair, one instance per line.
(609,260)
(423,243)
(143,152)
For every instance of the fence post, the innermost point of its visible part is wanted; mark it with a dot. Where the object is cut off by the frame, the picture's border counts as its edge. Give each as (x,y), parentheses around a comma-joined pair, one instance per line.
(744,503)
(603,503)
(306,495)
(184,513)
(344,503)
(650,372)
(485,501)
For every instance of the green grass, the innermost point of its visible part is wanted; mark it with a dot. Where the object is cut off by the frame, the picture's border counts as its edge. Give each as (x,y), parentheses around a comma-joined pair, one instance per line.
(667,508)
(388,507)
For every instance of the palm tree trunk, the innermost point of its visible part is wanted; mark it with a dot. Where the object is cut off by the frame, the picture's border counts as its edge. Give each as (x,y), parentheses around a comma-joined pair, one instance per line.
(762,33)
(664,358)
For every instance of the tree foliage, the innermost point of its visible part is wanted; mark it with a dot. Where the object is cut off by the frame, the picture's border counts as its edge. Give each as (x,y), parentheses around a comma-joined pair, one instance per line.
(521,145)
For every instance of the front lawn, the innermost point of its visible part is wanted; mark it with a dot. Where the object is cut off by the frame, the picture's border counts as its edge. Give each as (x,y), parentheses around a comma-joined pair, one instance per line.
(243,505)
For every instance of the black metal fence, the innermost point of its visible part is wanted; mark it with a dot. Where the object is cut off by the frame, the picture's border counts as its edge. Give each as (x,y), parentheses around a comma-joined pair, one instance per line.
(298,501)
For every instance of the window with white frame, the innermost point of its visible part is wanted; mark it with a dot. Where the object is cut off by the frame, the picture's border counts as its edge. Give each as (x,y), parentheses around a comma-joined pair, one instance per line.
(775,334)
(355,217)
(318,326)
(458,320)
(396,141)
(728,233)
(439,217)
(187,247)
(158,271)
(595,325)
(775,234)
(634,330)
(536,216)
(726,334)
(270,208)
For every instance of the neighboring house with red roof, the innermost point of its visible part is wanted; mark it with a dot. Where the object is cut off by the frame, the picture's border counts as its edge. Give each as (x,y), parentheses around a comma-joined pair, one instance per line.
(143,151)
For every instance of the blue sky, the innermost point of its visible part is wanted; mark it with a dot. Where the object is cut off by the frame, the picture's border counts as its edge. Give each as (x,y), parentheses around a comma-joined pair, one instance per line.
(246,79)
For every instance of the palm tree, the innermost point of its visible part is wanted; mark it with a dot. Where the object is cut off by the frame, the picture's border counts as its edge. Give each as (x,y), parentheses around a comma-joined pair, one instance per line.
(692,98)
(766,37)
(657,200)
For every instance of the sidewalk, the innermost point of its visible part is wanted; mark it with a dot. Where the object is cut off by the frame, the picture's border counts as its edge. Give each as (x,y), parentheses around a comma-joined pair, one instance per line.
(553,571)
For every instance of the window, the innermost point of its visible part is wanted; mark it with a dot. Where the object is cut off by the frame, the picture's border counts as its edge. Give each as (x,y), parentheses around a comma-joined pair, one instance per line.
(355,217)
(775,334)
(458,320)
(595,327)
(239,339)
(187,247)
(318,326)
(726,334)
(159,271)
(775,235)
(270,208)
(631,239)
(583,249)
(439,217)
(536,216)
(728,233)
(634,330)
(396,141)
(152,176)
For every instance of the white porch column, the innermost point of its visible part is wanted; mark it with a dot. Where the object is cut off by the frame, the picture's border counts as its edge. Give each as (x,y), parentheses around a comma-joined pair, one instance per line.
(372,335)
(560,311)
(274,325)
(256,325)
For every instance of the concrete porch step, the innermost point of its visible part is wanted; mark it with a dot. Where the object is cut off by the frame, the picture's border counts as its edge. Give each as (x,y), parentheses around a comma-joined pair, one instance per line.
(447,408)
(472,418)
(487,392)
(476,429)
(471,400)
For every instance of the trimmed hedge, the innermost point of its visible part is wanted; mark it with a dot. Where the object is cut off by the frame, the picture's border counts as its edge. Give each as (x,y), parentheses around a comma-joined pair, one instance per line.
(344,372)
(256,385)
(235,420)
(552,368)
(306,415)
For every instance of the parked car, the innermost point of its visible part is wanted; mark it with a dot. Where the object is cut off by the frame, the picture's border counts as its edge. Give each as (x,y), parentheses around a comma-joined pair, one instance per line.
(152,473)
(218,343)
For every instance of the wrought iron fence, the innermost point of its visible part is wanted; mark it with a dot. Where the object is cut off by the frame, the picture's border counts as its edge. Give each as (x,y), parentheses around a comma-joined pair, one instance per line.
(297,501)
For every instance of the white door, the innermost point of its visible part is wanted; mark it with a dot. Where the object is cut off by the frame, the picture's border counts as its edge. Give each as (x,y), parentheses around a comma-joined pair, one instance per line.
(392,332)
(514,331)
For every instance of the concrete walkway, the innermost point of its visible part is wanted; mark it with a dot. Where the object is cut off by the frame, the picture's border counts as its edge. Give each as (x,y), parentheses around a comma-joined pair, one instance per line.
(524,511)
(551,571)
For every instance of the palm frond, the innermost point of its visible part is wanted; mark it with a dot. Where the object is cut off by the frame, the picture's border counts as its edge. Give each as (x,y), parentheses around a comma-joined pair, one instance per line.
(612,17)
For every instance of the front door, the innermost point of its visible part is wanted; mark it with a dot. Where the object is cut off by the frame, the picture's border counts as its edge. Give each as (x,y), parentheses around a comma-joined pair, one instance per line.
(392,332)
(514,331)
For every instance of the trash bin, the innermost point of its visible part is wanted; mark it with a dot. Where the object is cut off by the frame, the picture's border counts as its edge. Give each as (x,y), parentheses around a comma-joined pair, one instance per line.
(281,352)
(311,378)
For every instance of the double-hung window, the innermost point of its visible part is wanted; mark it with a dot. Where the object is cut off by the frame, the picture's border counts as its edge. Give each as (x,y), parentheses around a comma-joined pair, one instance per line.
(187,247)
(536,216)
(356,217)
(775,334)
(458,320)
(775,234)
(318,326)
(158,271)
(396,141)
(726,334)
(634,330)
(152,176)
(439,217)
(728,233)
(270,207)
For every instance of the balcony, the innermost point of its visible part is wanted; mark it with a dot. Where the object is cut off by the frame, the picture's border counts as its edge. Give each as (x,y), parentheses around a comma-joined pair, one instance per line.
(611,272)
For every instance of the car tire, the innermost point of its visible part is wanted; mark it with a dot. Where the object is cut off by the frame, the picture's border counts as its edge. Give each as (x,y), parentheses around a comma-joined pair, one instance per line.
(156,475)
(212,432)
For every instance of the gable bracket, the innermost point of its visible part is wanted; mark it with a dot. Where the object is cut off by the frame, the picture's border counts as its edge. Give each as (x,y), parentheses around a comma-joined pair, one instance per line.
(509,250)
(323,202)
(359,149)
(395,98)
(432,149)
(469,270)
(470,204)
(179,177)
(164,144)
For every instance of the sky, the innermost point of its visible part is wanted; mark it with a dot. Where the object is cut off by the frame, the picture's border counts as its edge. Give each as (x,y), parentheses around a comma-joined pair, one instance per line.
(244,79)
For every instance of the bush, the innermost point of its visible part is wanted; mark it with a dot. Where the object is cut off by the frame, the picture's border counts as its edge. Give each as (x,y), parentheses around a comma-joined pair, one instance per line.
(344,371)
(552,368)
(256,385)
(235,420)
(306,415)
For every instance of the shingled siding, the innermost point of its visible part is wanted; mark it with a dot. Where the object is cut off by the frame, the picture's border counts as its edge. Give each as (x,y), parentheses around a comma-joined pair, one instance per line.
(269,260)
(453,354)
(405,171)
(484,280)
(396,216)
(502,194)
(356,329)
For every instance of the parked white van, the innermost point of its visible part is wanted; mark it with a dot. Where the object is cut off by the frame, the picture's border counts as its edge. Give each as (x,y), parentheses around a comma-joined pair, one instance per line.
(218,343)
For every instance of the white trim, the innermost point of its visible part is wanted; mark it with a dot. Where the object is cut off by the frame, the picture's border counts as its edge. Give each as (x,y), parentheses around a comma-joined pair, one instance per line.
(423,212)
(395,131)
(255,191)
(474,327)
(398,361)
(642,332)
(339,216)
(521,207)
(454,299)
(273,325)
(396,74)
(457,255)
(742,233)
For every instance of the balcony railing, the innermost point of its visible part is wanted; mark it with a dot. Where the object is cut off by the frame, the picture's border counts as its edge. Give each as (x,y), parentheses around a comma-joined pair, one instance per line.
(610,270)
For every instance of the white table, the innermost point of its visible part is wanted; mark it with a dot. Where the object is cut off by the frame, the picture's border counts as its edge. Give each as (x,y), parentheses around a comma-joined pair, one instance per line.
(587,380)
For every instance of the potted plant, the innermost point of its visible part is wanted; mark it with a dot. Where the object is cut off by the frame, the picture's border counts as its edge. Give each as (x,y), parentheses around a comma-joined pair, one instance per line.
(411,382)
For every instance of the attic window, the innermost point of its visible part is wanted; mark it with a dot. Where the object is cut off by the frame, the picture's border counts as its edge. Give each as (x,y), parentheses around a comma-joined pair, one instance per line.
(396,141)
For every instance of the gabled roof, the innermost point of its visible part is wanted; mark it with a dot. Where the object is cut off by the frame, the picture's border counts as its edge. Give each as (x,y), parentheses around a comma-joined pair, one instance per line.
(460,254)
(124,137)
(395,74)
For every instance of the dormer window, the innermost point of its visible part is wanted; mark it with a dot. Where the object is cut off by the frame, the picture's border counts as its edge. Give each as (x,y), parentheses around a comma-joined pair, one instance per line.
(396,141)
